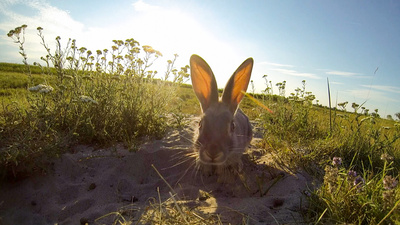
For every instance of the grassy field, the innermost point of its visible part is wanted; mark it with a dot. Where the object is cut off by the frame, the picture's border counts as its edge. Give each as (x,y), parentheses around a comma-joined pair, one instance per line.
(87,98)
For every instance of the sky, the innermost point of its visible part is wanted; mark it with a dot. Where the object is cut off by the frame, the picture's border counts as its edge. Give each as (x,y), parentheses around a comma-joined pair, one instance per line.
(355,44)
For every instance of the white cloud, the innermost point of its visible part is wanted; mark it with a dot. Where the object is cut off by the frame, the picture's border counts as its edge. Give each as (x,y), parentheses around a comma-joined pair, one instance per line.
(335,82)
(283,69)
(45,15)
(366,94)
(141,6)
(384,88)
(168,30)
(296,73)
(55,22)
(342,73)
(275,64)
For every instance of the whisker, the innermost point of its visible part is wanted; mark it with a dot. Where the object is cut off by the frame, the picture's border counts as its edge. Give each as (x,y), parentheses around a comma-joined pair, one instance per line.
(178,158)
(187,139)
(180,155)
(197,169)
(177,164)
(189,167)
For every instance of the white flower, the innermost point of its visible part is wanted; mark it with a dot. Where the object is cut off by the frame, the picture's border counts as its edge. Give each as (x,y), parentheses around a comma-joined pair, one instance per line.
(41,88)
(337,161)
(46,90)
(389,182)
(85,98)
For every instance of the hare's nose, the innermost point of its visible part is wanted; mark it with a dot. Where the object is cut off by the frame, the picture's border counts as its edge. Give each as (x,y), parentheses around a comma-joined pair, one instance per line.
(214,154)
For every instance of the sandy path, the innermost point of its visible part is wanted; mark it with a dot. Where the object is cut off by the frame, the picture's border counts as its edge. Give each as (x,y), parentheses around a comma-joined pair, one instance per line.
(89,183)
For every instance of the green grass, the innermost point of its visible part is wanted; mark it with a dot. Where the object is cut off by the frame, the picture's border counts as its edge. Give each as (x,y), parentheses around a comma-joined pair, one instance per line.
(22,69)
(114,96)
(83,99)
(300,134)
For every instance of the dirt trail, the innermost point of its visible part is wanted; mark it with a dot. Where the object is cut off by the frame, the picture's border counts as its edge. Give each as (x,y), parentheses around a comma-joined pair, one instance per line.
(89,183)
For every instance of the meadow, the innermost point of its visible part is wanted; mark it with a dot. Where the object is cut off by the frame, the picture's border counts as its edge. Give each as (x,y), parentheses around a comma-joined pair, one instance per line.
(103,98)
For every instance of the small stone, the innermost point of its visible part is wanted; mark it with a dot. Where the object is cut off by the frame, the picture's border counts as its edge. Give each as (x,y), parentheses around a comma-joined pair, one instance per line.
(84,221)
(203,195)
(92,186)
(278,202)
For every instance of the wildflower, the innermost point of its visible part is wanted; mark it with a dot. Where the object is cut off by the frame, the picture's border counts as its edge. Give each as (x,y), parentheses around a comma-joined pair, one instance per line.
(352,174)
(158,53)
(389,195)
(135,50)
(337,161)
(17,30)
(386,157)
(388,198)
(389,182)
(11,33)
(359,182)
(353,178)
(148,49)
(85,99)
(46,90)
(307,193)
(41,88)
(82,49)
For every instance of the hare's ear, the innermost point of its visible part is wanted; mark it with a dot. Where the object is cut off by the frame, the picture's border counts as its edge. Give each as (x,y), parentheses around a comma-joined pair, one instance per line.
(203,81)
(237,84)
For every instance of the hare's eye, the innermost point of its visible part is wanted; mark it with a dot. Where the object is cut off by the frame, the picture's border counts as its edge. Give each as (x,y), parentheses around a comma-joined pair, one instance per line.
(232,126)
(200,123)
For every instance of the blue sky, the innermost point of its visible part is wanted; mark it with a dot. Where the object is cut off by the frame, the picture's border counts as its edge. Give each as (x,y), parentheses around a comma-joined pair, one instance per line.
(354,43)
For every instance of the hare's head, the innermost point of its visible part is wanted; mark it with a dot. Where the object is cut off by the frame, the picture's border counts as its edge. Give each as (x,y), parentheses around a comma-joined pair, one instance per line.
(224,131)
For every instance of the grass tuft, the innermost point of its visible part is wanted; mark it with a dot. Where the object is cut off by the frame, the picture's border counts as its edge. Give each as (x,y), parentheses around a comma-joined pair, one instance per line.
(105,97)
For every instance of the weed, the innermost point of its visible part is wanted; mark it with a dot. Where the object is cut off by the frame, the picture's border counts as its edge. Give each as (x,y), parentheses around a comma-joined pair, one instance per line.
(349,197)
(107,97)
(355,186)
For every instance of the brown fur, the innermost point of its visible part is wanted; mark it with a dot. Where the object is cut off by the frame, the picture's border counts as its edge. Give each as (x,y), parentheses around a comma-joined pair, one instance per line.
(224,130)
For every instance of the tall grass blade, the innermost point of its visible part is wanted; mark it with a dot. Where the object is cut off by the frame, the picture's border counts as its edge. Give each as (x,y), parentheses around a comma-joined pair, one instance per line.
(330,107)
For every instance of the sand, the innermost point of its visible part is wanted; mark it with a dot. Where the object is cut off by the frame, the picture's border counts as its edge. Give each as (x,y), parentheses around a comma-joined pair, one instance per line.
(88,183)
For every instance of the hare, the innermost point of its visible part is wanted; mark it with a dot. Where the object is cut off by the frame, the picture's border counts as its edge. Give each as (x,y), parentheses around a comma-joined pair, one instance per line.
(224,130)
